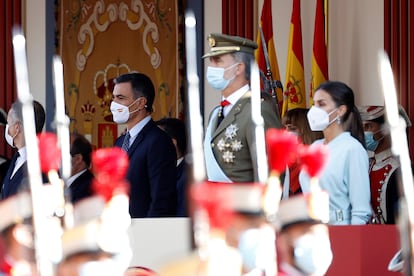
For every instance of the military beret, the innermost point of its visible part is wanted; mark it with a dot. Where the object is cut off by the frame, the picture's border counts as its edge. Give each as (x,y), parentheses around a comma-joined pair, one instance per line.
(304,208)
(369,113)
(224,44)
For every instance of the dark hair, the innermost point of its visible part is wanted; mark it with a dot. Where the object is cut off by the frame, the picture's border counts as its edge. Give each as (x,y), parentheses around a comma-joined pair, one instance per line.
(380,120)
(142,86)
(298,118)
(175,128)
(342,94)
(39,114)
(81,145)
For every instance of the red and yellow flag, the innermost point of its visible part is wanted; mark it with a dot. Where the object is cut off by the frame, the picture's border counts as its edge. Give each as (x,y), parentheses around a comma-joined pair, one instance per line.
(294,95)
(266,24)
(319,57)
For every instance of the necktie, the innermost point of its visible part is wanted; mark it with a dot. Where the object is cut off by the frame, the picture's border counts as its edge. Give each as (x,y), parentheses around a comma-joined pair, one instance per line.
(220,113)
(125,144)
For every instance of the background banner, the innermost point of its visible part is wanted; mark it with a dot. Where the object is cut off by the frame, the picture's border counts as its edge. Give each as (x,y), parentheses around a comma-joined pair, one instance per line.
(98,41)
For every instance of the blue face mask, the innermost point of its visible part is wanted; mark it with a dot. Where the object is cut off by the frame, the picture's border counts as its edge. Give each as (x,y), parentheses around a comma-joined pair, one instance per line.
(215,77)
(370,142)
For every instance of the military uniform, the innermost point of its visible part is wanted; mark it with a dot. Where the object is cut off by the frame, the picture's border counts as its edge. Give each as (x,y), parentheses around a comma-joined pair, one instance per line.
(383,178)
(303,216)
(230,146)
(383,169)
(15,213)
(232,142)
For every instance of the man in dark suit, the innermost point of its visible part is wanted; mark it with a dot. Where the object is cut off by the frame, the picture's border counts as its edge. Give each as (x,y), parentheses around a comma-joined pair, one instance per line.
(175,128)
(80,182)
(152,167)
(14,135)
(229,140)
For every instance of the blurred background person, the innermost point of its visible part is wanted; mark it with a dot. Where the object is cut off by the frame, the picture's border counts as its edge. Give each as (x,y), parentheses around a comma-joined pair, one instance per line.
(175,128)
(80,181)
(14,135)
(302,239)
(345,176)
(384,166)
(16,236)
(98,242)
(296,121)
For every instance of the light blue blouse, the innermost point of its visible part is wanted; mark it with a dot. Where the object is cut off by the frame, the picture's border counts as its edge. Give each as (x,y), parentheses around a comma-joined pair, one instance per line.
(346,179)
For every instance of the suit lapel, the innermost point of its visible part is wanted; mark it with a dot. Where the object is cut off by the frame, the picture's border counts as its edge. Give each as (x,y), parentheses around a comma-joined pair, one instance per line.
(140,136)
(7,181)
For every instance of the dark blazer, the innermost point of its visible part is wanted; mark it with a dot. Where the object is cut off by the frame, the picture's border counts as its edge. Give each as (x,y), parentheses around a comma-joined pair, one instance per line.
(81,187)
(4,167)
(182,189)
(12,186)
(152,173)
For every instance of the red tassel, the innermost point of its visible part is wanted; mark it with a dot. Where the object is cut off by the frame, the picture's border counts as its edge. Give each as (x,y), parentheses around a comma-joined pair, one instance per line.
(313,158)
(281,148)
(110,166)
(49,153)
(214,199)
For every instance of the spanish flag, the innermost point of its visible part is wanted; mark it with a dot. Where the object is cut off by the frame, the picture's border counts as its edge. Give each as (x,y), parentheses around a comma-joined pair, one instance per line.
(266,32)
(294,95)
(319,57)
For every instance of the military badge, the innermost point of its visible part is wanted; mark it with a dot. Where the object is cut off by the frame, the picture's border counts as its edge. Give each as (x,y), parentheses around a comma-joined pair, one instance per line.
(211,41)
(228,145)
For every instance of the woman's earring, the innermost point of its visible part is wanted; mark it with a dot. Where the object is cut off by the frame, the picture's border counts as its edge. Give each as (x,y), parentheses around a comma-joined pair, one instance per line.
(338,120)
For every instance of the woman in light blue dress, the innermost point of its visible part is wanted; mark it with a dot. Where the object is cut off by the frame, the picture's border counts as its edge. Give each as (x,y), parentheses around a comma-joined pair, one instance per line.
(345,176)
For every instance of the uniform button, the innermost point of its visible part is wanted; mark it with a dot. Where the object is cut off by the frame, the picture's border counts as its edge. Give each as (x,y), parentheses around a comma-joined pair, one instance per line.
(212,145)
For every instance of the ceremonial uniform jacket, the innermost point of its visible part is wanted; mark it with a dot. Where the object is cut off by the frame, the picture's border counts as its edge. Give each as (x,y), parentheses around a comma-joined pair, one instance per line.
(233,143)
(384,190)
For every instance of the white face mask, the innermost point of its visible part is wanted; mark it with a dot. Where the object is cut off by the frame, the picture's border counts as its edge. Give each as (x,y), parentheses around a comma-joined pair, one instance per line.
(257,248)
(319,118)
(9,139)
(313,254)
(215,77)
(121,112)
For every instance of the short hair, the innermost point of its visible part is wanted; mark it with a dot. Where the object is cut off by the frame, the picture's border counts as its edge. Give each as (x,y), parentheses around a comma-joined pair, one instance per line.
(142,86)
(81,145)
(245,58)
(39,114)
(175,128)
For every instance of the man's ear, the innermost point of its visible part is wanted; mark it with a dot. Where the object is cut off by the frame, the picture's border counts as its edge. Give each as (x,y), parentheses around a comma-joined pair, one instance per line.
(241,68)
(143,103)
